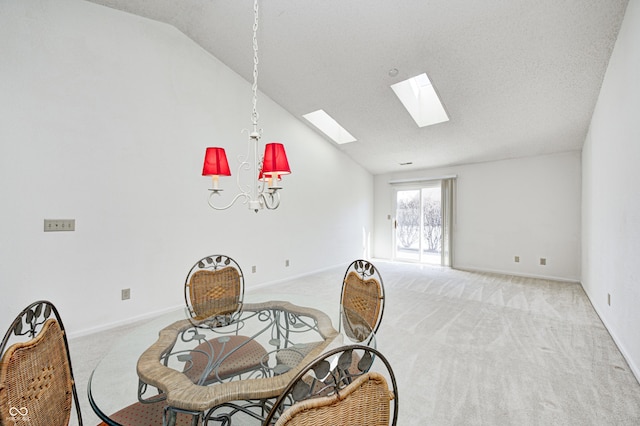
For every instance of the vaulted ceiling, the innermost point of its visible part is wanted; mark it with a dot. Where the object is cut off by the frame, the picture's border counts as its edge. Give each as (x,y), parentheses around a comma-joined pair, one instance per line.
(517,77)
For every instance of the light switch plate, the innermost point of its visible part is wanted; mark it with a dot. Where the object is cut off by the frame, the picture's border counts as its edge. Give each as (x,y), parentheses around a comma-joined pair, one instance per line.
(52,225)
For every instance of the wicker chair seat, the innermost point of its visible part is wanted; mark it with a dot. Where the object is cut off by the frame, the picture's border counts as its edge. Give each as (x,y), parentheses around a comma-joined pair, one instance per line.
(248,357)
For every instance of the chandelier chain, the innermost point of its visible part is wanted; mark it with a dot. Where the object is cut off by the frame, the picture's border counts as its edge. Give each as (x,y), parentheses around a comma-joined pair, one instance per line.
(264,192)
(255,67)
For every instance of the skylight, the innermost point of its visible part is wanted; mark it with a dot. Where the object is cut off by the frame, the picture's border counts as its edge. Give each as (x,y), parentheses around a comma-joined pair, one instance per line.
(329,127)
(419,97)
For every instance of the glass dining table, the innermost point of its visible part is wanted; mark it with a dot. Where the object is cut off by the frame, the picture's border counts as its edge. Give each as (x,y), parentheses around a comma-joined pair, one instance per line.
(155,363)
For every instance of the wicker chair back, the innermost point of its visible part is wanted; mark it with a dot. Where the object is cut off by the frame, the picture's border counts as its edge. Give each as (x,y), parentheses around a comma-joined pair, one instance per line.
(214,288)
(341,387)
(36,378)
(362,300)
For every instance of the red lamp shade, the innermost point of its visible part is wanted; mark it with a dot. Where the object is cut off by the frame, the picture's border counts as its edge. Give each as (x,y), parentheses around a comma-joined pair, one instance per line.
(215,163)
(275,161)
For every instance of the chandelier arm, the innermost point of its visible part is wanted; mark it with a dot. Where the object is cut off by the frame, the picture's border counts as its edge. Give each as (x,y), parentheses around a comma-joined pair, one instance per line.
(236,198)
(271,199)
(243,165)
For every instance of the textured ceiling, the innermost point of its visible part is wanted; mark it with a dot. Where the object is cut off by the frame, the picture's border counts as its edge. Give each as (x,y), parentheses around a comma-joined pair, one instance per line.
(517,77)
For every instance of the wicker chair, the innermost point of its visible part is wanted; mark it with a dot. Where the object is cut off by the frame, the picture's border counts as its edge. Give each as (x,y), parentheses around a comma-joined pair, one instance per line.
(214,291)
(361,301)
(329,391)
(361,308)
(36,378)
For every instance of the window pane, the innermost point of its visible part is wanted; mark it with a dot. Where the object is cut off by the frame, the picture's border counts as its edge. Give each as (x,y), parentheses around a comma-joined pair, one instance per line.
(431,226)
(408,224)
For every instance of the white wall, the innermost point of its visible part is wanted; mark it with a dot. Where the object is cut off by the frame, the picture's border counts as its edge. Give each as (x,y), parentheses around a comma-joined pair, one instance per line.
(528,207)
(104,118)
(611,194)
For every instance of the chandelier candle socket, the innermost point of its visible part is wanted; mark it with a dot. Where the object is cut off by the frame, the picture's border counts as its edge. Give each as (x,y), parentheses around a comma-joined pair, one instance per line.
(263,190)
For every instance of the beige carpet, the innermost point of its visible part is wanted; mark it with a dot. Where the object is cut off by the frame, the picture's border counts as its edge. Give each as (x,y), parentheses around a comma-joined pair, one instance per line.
(470,348)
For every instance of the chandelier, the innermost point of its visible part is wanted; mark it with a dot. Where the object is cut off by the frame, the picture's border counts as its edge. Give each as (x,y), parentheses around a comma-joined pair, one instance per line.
(266,174)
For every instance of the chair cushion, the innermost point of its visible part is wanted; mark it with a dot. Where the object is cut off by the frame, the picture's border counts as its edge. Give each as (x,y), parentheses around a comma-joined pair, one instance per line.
(248,356)
(293,356)
(139,414)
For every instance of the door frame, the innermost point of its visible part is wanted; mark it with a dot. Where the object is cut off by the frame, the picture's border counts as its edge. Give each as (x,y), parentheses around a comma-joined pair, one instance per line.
(414,186)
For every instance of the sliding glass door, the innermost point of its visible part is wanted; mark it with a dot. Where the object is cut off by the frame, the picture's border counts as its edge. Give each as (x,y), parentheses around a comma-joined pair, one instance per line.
(407,224)
(423,223)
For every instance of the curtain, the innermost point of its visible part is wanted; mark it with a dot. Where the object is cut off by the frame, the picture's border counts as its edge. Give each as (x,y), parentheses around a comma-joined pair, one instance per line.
(448,191)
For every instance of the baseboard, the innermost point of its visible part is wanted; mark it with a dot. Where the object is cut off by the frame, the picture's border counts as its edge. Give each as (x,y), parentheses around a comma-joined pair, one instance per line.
(153,314)
(296,277)
(632,366)
(128,321)
(516,274)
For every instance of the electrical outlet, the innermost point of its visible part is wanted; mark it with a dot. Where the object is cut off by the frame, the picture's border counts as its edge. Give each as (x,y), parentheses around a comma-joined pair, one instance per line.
(126,293)
(286,263)
(516,259)
(543,261)
(51,225)
(253,269)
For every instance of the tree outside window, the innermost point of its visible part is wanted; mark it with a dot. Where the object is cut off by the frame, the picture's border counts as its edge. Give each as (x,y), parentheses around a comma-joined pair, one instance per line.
(408,220)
